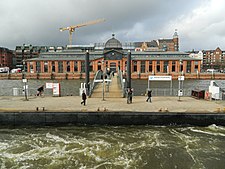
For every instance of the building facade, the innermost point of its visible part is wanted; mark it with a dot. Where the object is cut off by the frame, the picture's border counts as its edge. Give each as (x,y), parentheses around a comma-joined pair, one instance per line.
(214,59)
(25,52)
(113,55)
(6,57)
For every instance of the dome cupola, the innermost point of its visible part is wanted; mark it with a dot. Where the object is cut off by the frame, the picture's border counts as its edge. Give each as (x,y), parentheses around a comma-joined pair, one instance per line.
(113,43)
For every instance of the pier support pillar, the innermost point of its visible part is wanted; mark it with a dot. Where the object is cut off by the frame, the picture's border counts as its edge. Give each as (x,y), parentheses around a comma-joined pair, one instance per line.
(87,75)
(129,70)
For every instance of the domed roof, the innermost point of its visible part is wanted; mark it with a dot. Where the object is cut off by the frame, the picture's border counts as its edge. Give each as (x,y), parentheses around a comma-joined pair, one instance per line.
(113,43)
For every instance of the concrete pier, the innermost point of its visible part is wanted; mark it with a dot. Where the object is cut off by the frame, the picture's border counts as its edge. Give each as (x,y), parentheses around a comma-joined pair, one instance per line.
(113,111)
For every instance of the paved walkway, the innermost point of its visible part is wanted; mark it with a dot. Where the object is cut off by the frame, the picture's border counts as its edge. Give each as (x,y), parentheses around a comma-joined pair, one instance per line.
(72,103)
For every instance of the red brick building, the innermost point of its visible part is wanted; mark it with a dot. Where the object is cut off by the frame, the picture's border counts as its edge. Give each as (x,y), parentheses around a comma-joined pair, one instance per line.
(147,61)
(214,59)
(6,57)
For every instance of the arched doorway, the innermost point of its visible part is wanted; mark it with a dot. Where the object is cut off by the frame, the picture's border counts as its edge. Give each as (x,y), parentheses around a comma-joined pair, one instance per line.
(113,66)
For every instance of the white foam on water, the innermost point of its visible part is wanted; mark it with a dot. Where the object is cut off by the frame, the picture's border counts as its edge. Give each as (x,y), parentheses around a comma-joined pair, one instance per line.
(188,141)
(208,132)
(102,147)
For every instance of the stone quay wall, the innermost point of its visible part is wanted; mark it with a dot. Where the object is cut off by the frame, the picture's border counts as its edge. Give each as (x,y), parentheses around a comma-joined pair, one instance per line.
(109,118)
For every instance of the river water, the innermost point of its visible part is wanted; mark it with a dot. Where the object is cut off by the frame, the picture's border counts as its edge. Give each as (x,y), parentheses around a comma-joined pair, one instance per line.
(106,147)
(71,87)
(119,147)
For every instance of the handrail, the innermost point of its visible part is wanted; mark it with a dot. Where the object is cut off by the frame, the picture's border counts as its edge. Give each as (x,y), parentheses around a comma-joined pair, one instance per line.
(98,75)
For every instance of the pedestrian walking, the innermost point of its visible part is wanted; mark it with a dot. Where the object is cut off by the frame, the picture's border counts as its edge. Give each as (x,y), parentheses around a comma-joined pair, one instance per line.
(129,95)
(84,97)
(149,94)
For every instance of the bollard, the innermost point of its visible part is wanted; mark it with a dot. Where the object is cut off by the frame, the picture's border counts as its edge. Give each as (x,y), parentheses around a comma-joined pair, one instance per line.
(43,108)
(36,108)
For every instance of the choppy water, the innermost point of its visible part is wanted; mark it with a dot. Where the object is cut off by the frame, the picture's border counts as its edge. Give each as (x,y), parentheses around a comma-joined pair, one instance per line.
(104,147)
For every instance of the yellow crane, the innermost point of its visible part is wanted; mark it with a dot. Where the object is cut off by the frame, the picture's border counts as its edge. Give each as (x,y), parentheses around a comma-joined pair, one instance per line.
(71,29)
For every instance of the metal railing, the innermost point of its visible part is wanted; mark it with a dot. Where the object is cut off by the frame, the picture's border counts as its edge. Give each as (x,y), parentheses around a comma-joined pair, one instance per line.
(169,92)
(121,83)
(98,76)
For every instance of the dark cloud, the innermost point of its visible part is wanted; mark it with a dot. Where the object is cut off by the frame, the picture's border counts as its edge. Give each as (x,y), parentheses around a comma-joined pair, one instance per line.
(37,22)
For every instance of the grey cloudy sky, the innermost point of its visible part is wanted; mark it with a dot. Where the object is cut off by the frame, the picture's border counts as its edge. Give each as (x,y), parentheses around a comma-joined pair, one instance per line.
(200,23)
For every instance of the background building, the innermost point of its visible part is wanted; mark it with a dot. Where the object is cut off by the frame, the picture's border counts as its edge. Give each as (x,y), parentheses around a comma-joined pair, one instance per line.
(151,59)
(25,52)
(197,55)
(6,57)
(214,59)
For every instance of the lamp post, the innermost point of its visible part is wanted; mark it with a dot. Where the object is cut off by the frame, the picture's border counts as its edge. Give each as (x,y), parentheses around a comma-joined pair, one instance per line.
(103,81)
(180,91)
(24,81)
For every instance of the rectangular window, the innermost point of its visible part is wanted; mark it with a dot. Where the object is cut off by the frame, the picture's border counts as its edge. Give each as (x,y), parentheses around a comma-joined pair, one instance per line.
(31,67)
(158,66)
(53,66)
(173,66)
(60,65)
(68,66)
(82,66)
(188,66)
(45,66)
(135,66)
(150,66)
(165,67)
(38,67)
(142,66)
(75,66)
(196,66)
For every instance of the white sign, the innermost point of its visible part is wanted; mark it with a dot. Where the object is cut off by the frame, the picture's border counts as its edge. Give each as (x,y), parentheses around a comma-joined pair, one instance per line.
(56,89)
(24,80)
(49,85)
(181,78)
(160,78)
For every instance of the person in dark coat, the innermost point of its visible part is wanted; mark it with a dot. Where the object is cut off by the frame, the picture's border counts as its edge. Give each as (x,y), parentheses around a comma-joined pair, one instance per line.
(149,94)
(40,90)
(129,95)
(84,97)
